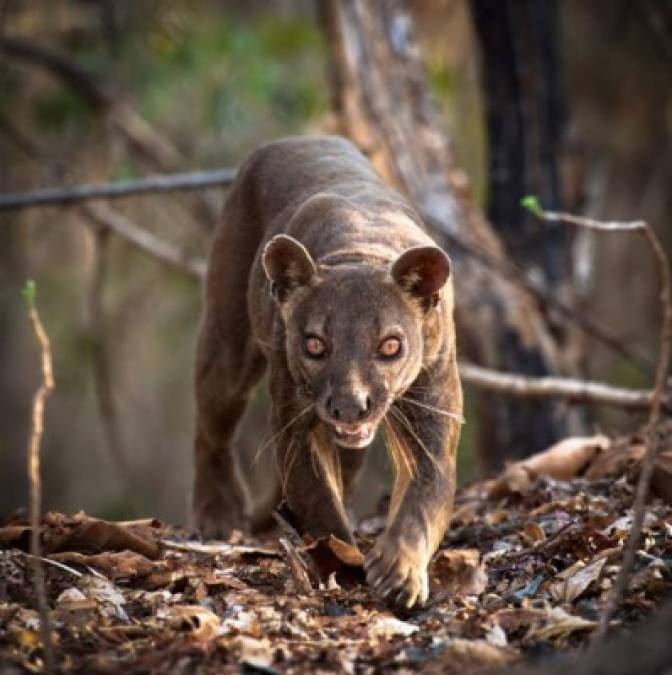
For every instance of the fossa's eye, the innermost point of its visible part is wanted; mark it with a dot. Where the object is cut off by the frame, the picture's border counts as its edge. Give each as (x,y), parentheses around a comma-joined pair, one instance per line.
(314,347)
(390,348)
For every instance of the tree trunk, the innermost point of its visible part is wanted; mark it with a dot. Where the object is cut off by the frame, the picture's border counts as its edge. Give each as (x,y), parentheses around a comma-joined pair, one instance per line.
(524,116)
(381,97)
(524,113)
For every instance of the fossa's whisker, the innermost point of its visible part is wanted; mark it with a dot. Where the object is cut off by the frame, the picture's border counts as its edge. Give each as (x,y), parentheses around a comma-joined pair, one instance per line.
(439,411)
(409,427)
(277,434)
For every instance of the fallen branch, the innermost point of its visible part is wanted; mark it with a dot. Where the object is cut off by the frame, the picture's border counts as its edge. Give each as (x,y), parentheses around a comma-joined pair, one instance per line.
(145,241)
(34,476)
(657,395)
(575,390)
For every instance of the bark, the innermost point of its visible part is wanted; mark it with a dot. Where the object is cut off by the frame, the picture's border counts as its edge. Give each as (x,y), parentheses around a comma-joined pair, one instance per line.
(524,119)
(524,115)
(382,101)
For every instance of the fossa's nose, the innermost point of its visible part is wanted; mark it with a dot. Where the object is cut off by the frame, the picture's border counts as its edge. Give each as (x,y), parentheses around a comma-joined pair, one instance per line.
(349,408)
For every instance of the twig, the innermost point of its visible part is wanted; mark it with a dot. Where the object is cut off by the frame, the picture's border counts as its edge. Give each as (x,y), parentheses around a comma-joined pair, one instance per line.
(147,242)
(56,563)
(297,567)
(508,270)
(220,548)
(657,395)
(34,476)
(576,391)
(653,439)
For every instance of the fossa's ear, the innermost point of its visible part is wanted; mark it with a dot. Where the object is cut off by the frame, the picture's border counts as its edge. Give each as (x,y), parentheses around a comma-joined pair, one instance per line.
(287,264)
(422,271)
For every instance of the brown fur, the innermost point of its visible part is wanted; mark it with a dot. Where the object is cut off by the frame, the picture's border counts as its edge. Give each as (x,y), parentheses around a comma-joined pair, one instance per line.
(312,243)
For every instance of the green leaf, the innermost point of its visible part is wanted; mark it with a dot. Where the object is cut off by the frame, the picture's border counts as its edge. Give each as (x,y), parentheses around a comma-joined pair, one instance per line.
(531,203)
(29,292)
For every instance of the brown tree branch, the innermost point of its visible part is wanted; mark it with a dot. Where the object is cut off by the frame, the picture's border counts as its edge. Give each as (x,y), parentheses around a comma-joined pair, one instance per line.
(195,180)
(34,475)
(145,241)
(574,390)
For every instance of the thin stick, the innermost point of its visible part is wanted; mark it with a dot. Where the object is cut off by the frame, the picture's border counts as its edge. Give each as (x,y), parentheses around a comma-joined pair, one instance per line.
(34,476)
(653,440)
(574,390)
(657,395)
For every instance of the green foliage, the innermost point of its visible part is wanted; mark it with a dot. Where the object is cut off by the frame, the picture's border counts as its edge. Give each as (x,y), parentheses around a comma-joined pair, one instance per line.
(29,293)
(531,203)
(235,79)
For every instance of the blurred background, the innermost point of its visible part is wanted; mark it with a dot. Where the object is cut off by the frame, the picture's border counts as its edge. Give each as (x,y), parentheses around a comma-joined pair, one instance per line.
(568,100)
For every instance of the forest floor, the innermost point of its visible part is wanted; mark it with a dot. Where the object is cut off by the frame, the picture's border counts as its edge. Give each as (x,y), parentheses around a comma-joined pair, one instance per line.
(523,573)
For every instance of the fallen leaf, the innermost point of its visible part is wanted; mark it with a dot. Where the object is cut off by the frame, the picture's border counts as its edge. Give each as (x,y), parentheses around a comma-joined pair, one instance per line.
(126,564)
(534,532)
(70,595)
(198,622)
(561,624)
(331,555)
(616,460)
(529,590)
(387,627)
(458,572)
(577,583)
(90,535)
(562,461)
(257,654)
(107,596)
(347,553)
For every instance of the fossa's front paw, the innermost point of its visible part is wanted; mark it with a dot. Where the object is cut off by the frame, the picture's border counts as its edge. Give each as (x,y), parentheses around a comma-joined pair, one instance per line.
(397,570)
(215,518)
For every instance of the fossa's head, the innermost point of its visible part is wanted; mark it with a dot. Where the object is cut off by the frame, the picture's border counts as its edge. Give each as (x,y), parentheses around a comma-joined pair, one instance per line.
(355,335)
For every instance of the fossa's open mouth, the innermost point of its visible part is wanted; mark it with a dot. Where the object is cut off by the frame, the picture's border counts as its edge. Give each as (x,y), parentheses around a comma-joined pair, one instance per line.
(354,435)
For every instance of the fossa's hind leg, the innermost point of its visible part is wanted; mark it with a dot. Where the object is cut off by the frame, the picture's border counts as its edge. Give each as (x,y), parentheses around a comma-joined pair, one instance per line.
(222,393)
(228,366)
